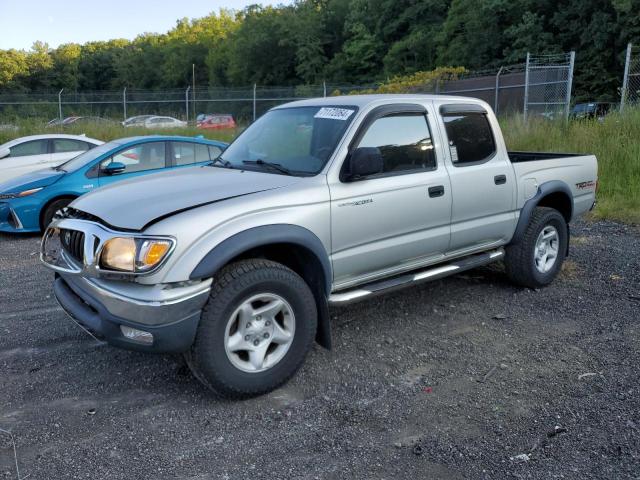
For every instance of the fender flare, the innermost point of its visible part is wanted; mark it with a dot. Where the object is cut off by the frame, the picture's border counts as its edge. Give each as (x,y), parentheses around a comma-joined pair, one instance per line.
(255,237)
(546,188)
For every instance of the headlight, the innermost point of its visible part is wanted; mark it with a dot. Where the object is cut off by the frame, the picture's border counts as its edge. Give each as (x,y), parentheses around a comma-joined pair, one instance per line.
(136,255)
(24,193)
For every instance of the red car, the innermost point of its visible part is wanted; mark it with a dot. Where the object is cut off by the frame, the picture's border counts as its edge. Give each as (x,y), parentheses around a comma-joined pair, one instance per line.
(217,122)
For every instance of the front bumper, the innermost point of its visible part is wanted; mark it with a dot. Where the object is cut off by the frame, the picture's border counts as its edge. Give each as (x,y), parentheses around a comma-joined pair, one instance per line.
(172,320)
(19,216)
(10,220)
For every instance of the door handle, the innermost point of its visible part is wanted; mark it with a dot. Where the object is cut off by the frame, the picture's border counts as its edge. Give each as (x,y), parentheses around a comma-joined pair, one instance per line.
(437,191)
(500,179)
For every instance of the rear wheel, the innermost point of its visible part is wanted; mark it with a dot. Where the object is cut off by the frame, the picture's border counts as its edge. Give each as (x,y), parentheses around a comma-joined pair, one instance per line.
(537,258)
(255,330)
(51,210)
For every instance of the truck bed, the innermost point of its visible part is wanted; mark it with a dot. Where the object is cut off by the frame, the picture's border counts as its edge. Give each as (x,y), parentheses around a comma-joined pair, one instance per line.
(517,157)
(579,172)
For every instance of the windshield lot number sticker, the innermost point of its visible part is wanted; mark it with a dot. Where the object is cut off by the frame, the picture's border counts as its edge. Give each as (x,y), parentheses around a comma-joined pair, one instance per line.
(333,113)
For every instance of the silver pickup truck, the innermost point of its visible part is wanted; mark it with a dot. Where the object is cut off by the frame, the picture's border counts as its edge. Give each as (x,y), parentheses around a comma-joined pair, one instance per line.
(320,202)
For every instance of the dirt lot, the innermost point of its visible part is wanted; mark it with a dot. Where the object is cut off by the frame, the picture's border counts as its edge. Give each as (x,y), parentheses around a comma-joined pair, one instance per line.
(463,378)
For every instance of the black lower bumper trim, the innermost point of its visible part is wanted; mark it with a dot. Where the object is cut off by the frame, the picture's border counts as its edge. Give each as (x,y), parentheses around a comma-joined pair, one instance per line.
(90,313)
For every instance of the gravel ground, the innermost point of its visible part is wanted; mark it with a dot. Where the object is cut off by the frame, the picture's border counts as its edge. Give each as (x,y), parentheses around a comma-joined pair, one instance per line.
(468,377)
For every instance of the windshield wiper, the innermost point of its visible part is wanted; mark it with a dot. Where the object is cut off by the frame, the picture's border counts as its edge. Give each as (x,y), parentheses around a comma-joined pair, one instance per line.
(222,161)
(272,165)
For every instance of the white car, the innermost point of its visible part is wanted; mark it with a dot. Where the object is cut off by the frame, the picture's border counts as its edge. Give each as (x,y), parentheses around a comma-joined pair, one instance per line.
(137,121)
(164,122)
(27,154)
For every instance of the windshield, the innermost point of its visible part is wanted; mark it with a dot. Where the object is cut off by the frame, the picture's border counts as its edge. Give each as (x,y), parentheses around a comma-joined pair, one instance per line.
(584,107)
(86,157)
(299,140)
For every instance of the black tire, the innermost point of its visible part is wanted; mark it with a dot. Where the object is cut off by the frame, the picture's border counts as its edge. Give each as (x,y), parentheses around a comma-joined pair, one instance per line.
(235,283)
(520,263)
(51,210)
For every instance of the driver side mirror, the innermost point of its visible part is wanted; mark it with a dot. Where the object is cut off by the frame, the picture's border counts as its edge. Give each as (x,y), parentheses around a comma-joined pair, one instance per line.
(5,152)
(362,162)
(113,168)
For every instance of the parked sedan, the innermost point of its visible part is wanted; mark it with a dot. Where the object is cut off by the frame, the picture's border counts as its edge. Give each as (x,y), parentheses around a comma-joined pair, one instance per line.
(217,122)
(137,121)
(28,203)
(87,121)
(26,154)
(164,122)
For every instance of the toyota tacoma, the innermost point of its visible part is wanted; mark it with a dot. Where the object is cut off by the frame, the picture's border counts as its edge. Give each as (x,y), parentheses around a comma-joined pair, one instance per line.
(319,202)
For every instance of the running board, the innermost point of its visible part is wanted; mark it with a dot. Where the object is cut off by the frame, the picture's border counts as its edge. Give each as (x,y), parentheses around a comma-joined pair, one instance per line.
(413,278)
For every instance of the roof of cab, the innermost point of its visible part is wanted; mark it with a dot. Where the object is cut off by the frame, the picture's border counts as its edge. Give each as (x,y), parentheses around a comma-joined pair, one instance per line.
(361,101)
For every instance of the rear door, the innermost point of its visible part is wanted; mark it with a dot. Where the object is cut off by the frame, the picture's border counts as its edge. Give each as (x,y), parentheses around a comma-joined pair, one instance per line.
(140,159)
(482,178)
(63,149)
(399,218)
(23,158)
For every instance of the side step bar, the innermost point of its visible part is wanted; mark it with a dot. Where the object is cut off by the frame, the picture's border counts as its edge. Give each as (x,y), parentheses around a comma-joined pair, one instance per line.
(384,286)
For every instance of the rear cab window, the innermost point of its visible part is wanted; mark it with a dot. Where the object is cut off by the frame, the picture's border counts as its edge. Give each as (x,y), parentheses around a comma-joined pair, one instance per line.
(469,135)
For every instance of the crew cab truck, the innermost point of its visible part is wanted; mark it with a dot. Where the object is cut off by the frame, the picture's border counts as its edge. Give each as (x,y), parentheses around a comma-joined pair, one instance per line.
(319,202)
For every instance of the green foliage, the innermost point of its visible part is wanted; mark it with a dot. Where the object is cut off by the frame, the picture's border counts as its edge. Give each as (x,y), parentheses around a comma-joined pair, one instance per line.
(414,83)
(341,41)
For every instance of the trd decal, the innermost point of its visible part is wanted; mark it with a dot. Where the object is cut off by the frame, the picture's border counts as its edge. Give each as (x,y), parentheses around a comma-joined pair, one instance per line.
(588,184)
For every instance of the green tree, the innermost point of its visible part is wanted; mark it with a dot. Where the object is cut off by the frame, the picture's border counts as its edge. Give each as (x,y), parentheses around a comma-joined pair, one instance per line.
(13,66)
(66,59)
(39,64)
(263,50)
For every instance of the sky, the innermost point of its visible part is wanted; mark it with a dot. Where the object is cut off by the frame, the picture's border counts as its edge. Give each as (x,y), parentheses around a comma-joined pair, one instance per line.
(22,22)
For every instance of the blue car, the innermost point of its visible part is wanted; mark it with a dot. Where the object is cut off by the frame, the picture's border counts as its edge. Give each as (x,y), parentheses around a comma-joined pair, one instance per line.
(28,202)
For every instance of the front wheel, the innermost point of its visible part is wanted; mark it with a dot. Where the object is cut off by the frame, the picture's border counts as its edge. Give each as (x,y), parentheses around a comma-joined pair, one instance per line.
(255,330)
(52,208)
(537,258)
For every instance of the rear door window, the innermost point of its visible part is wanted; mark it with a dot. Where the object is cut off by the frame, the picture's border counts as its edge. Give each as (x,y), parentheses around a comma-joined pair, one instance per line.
(185,153)
(470,138)
(63,145)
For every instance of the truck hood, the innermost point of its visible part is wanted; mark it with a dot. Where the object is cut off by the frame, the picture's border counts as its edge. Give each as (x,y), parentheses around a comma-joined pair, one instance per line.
(37,179)
(134,204)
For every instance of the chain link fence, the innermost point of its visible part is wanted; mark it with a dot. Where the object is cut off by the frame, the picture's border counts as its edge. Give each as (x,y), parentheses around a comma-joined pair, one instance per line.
(630,94)
(541,86)
(548,80)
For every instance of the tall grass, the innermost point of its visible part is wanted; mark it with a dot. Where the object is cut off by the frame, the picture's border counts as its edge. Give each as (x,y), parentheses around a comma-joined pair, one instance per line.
(111,132)
(615,141)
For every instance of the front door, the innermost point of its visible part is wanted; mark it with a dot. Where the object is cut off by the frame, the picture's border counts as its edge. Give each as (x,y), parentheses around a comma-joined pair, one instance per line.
(24,158)
(138,160)
(398,218)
